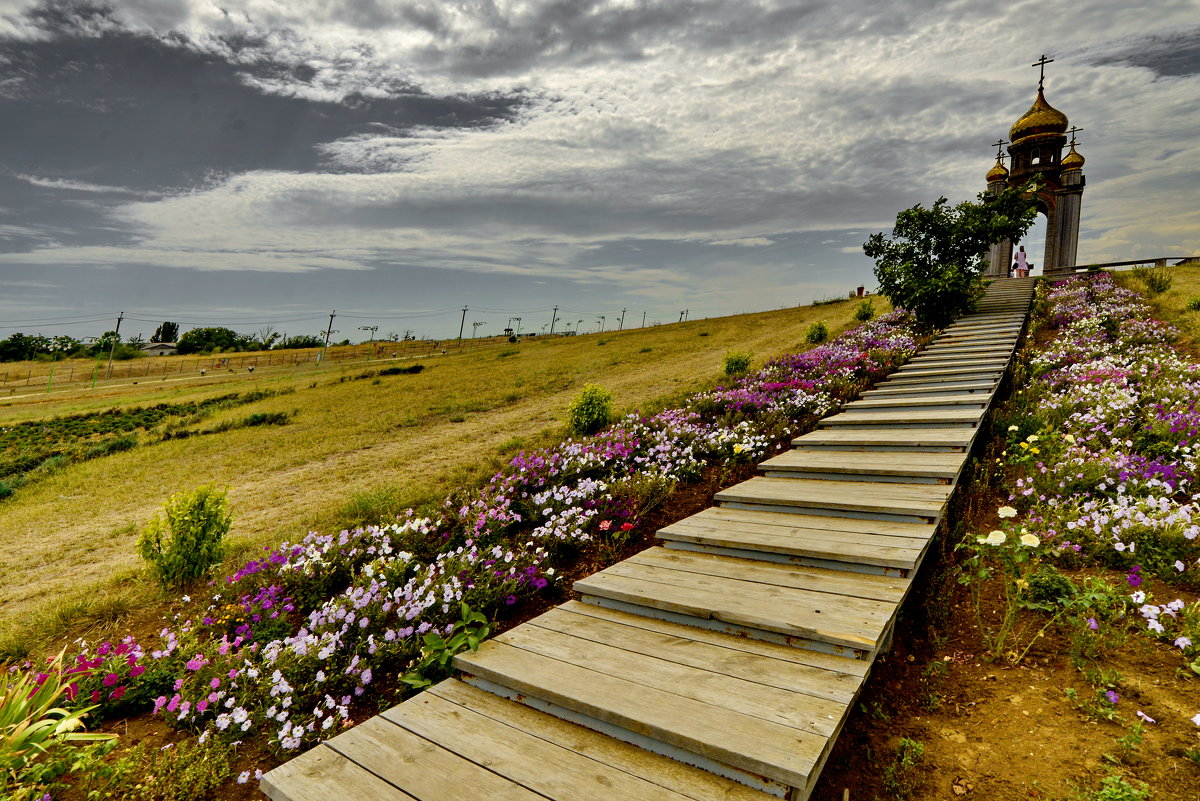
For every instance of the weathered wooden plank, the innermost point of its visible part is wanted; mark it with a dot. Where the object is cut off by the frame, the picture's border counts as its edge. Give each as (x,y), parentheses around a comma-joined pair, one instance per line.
(924,465)
(422,768)
(981,388)
(717,689)
(920,404)
(823,617)
(827,663)
(860,549)
(912,438)
(920,500)
(946,417)
(558,759)
(836,582)
(929,362)
(786,523)
(770,749)
(322,774)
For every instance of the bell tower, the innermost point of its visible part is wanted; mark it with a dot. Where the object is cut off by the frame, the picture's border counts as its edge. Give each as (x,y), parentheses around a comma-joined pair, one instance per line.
(1035,146)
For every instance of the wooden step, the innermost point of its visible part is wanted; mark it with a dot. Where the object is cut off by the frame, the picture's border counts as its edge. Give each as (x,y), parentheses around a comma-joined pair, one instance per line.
(922,362)
(980,388)
(917,404)
(918,503)
(934,374)
(935,468)
(762,712)
(889,439)
(455,742)
(949,418)
(888,548)
(832,611)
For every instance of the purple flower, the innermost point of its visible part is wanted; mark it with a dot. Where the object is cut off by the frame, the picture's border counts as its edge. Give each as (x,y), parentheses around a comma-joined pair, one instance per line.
(1134,578)
(510,600)
(1112,696)
(1092,624)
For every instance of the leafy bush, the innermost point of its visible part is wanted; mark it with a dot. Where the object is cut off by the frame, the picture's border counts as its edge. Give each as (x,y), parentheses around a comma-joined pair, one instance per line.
(737,362)
(817,333)
(1193,303)
(590,411)
(864,311)
(1156,280)
(189,543)
(410,370)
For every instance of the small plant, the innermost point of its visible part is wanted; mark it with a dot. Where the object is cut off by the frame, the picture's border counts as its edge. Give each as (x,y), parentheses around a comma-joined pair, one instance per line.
(864,311)
(1115,788)
(471,629)
(190,542)
(902,778)
(817,333)
(1156,280)
(737,362)
(1193,303)
(590,411)
(33,730)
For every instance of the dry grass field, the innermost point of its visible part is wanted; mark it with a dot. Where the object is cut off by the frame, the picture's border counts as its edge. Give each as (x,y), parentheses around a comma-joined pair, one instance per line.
(354,448)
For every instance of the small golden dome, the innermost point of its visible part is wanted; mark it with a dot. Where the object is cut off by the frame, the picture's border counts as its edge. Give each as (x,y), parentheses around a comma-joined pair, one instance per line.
(998,172)
(1042,118)
(1072,161)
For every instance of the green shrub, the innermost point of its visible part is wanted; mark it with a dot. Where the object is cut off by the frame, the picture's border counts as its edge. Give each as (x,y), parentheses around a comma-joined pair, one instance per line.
(737,362)
(1156,280)
(189,543)
(1115,788)
(903,777)
(1193,303)
(590,411)
(864,311)
(110,446)
(817,332)
(1048,587)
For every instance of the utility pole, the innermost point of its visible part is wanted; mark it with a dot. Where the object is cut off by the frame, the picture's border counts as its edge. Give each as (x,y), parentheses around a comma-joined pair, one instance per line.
(112,348)
(553,320)
(602,324)
(475,327)
(518,319)
(372,329)
(681,315)
(621,325)
(328,333)
(462,323)
(643,319)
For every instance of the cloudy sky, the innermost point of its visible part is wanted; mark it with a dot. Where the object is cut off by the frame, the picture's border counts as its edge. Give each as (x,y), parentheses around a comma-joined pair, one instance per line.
(253,162)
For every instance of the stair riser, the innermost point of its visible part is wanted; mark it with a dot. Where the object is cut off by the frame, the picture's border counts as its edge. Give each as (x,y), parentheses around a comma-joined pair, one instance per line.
(853,475)
(910,516)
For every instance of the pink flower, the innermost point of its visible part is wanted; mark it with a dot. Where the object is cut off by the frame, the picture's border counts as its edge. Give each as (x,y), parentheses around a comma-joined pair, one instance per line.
(196,662)
(117,693)
(111,679)
(605,525)
(136,671)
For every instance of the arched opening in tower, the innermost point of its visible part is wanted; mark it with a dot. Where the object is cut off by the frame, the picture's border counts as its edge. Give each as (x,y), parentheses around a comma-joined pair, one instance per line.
(1035,244)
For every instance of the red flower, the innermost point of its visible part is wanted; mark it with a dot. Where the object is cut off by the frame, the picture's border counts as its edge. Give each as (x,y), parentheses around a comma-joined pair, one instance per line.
(626,526)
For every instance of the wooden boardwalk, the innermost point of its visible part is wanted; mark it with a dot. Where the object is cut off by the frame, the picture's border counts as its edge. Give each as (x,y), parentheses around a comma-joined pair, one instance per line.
(723,664)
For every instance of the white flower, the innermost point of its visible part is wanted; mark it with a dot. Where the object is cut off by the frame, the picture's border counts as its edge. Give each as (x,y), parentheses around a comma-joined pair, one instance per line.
(1006,511)
(1030,540)
(996,538)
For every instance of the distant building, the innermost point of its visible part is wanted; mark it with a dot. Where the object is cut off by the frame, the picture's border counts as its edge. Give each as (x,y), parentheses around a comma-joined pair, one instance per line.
(160,349)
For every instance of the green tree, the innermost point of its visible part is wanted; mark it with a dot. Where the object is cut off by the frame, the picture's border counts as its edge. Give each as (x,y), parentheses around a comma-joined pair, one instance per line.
(301,341)
(190,542)
(210,340)
(167,332)
(932,263)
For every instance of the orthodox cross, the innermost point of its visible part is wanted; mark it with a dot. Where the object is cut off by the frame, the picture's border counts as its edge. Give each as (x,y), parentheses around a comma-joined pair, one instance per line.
(1072,133)
(1042,64)
(1000,155)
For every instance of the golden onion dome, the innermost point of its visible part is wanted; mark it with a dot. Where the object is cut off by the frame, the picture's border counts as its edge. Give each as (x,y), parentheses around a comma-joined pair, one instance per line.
(1072,161)
(998,172)
(1042,118)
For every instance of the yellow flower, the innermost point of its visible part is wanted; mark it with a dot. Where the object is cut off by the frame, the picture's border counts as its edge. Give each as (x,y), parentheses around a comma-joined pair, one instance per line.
(1069,438)
(1025,445)
(1035,451)
(739,448)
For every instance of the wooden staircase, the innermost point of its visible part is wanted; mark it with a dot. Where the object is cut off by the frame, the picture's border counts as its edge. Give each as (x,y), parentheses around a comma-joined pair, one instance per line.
(723,664)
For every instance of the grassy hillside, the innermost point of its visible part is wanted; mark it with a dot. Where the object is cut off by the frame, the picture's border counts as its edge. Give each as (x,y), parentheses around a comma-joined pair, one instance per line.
(355,446)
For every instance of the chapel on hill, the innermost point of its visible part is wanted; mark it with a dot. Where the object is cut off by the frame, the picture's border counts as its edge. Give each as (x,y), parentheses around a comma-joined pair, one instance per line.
(1035,147)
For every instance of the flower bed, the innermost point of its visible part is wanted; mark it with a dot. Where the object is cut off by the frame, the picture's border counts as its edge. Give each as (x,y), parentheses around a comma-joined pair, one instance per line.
(1101,452)
(289,642)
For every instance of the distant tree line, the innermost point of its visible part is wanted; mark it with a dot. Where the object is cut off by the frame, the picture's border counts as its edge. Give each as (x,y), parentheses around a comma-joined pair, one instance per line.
(22,347)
